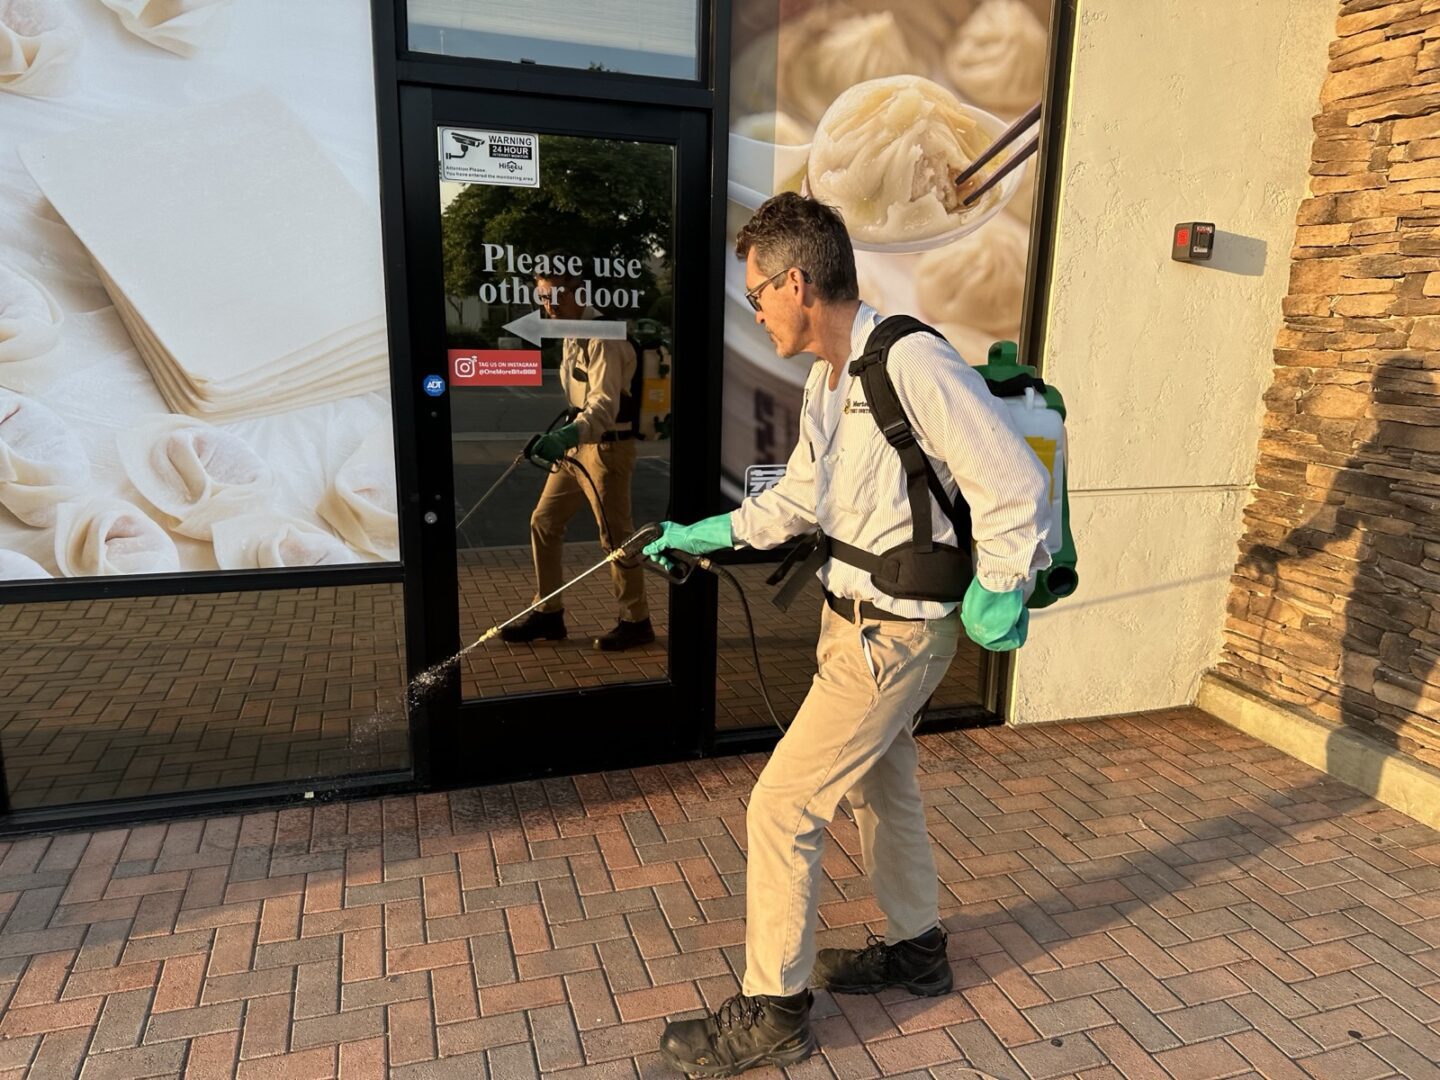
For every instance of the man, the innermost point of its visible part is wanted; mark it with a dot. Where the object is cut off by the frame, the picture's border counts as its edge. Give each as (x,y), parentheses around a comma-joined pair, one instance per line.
(880,656)
(595,375)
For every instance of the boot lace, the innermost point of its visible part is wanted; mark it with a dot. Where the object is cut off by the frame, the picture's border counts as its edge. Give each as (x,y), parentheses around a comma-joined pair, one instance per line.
(876,955)
(739,1011)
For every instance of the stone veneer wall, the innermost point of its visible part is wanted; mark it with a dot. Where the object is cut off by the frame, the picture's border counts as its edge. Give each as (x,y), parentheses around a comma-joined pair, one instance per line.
(1335,601)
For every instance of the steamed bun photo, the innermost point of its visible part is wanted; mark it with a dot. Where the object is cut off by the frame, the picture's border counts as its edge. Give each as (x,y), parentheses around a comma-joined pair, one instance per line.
(886,155)
(979,280)
(815,57)
(998,58)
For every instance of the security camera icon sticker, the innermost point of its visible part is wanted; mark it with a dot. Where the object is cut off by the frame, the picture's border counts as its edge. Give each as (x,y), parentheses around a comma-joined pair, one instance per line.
(465,143)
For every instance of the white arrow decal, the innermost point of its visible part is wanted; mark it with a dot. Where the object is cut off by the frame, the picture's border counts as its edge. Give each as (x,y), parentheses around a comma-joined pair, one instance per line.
(533,327)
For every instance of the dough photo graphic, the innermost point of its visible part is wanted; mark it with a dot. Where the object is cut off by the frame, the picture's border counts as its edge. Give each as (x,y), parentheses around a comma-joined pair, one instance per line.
(267,540)
(108,536)
(928,25)
(42,463)
(972,345)
(182,27)
(17,567)
(977,281)
(194,474)
(361,504)
(854,50)
(38,43)
(802,66)
(1022,205)
(886,155)
(30,318)
(998,57)
(272,301)
(776,127)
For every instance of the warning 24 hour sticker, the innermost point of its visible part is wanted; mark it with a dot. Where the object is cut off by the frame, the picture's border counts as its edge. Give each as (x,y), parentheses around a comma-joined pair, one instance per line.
(507,158)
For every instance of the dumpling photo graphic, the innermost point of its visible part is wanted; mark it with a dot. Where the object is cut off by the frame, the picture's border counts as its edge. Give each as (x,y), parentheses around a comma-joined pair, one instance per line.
(972,345)
(38,43)
(815,56)
(108,536)
(360,504)
(928,25)
(854,50)
(886,155)
(194,473)
(262,541)
(182,27)
(30,319)
(42,462)
(998,58)
(979,280)
(17,567)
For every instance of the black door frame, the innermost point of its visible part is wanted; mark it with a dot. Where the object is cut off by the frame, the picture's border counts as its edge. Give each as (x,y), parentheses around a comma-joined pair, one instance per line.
(488,740)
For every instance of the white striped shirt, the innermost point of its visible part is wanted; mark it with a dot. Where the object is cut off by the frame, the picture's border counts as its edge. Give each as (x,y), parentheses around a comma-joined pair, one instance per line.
(846,479)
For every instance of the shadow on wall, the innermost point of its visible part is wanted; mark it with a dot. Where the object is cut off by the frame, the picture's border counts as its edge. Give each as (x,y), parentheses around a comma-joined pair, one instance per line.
(1389,668)
(1236,254)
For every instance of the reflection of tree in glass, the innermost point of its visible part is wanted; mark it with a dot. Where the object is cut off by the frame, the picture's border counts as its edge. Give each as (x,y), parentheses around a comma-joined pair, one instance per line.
(596,198)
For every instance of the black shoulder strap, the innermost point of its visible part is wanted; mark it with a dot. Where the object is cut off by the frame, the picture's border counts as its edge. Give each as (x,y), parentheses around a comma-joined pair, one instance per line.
(629,412)
(921,480)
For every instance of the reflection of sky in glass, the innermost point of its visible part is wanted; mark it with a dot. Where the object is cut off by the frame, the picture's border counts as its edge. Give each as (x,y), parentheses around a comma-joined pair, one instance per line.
(647,37)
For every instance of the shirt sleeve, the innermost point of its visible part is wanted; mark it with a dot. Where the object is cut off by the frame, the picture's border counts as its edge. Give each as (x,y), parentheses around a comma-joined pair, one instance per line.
(606,374)
(958,421)
(786,510)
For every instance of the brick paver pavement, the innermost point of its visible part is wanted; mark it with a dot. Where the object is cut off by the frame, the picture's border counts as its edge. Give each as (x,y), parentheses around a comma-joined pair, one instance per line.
(1153,896)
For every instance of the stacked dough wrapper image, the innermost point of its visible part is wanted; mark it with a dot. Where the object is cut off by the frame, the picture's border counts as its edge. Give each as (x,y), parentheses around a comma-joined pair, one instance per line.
(228,408)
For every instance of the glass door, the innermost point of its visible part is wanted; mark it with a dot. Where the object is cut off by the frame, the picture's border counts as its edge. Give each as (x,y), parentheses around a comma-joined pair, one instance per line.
(557,271)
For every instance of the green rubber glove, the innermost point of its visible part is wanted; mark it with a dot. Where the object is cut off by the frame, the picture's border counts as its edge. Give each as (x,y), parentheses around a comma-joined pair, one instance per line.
(553,444)
(995,621)
(707,535)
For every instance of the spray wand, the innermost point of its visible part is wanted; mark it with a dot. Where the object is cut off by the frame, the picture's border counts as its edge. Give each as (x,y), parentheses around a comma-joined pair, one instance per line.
(630,549)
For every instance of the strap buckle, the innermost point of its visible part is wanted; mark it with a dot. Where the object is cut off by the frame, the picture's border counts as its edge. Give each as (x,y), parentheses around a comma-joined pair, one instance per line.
(899,434)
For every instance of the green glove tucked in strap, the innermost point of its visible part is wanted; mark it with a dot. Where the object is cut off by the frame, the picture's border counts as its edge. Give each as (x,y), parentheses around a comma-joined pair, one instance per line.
(995,621)
(551,446)
(707,535)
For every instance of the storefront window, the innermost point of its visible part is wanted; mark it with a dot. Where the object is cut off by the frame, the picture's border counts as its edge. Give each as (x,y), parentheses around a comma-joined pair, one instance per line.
(640,37)
(198,379)
(825,100)
(155,695)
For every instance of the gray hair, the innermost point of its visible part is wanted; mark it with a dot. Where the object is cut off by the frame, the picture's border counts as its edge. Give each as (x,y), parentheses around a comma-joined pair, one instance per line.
(791,230)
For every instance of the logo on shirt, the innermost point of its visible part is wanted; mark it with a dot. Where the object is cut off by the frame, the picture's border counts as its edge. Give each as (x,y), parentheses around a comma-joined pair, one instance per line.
(856,407)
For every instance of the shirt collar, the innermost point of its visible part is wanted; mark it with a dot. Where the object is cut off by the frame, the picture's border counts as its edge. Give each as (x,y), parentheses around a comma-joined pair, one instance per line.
(866,319)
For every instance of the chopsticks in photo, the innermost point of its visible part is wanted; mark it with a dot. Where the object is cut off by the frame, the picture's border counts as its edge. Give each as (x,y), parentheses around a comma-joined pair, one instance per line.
(1009,135)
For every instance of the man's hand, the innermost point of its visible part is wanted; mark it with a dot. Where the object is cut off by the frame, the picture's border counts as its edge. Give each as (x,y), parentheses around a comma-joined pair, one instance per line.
(707,535)
(995,621)
(552,446)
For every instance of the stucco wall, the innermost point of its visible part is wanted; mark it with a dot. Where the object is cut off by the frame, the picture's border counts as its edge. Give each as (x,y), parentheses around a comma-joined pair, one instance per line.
(1178,111)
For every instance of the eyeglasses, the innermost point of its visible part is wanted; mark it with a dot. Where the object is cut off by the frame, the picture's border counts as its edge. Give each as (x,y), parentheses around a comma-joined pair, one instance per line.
(754,294)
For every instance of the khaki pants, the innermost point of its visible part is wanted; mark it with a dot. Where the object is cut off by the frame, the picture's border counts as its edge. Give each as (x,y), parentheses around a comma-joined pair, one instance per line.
(853,735)
(611,466)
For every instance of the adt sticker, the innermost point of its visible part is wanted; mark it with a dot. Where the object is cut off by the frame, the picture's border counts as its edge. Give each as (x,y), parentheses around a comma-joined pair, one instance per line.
(434,385)
(759,478)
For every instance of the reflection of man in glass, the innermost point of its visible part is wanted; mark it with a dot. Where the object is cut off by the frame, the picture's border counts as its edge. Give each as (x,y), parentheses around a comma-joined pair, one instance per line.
(595,374)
